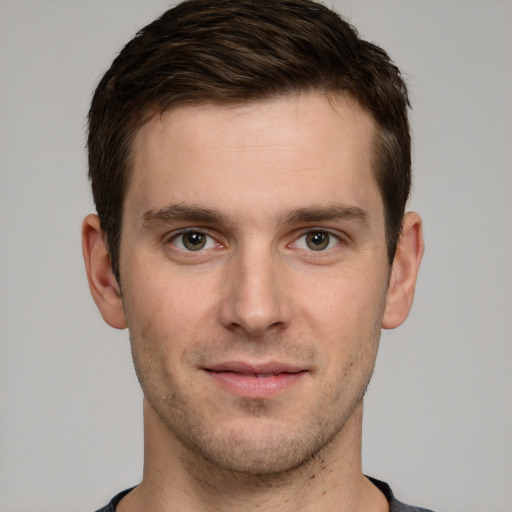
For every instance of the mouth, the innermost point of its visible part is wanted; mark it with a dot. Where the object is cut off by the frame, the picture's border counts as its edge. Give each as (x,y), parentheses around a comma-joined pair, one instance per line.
(256,381)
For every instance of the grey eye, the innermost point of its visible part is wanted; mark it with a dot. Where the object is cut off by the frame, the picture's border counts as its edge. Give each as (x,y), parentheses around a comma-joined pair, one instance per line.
(193,241)
(317,240)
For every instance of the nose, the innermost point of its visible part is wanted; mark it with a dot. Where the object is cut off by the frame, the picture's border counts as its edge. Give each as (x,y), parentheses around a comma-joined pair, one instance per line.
(254,298)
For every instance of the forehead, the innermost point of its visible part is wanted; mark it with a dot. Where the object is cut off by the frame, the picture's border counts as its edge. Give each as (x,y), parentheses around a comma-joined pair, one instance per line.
(286,150)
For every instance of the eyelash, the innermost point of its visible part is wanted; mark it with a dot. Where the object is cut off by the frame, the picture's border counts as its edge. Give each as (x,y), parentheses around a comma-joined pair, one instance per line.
(209,240)
(325,241)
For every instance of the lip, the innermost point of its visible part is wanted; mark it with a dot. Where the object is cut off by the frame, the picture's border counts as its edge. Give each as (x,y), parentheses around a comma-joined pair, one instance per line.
(255,380)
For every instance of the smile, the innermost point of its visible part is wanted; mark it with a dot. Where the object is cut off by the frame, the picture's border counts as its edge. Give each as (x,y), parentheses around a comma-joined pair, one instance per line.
(255,381)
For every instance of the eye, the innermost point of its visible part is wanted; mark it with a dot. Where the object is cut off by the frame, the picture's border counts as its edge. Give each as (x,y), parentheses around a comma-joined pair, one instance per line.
(193,241)
(317,241)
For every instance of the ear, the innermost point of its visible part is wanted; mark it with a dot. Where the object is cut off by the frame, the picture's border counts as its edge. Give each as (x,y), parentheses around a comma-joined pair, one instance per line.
(404,272)
(102,283)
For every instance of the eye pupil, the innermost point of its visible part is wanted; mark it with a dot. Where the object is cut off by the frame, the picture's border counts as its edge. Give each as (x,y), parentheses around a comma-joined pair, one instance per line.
(194,241)
(317,240)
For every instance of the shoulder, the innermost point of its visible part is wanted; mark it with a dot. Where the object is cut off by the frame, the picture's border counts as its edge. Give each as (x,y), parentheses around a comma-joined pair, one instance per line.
(111,507)
(394,504)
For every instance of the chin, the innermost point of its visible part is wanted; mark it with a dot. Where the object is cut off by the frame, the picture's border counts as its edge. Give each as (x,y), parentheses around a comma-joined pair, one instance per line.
(269,450)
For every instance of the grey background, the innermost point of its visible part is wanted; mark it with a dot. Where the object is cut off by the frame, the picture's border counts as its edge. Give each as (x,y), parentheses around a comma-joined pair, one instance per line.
(438,422)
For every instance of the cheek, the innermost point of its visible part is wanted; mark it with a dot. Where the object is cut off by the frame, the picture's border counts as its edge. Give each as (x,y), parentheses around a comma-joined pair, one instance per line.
(344,300)
(166,314)
(159,333)
(164,317)
(345,316)
(158,295)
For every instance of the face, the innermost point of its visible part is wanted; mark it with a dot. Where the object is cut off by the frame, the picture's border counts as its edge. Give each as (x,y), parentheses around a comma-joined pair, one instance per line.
(254,274)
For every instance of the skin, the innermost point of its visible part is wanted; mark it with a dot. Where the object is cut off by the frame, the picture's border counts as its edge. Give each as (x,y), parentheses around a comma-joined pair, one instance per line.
(259,184)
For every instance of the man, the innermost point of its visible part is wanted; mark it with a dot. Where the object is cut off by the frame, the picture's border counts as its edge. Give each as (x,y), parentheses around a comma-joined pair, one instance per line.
(250,165)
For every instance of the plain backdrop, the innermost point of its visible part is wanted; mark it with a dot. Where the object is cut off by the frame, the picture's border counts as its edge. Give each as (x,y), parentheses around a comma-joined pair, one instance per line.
(438,415)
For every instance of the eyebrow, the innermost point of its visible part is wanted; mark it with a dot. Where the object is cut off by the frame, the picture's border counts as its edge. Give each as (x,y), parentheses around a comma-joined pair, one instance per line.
(182,212)
(192,213)
(327,213)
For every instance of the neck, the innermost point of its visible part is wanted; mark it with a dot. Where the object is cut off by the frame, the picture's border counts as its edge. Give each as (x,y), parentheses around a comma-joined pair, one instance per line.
(176,479)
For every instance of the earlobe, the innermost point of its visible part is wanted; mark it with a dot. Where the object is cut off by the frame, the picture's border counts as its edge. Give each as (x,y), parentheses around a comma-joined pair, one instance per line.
(404,272)
(102,283)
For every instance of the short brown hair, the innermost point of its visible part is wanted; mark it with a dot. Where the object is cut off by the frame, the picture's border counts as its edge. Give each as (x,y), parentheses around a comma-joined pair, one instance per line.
(231,51)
